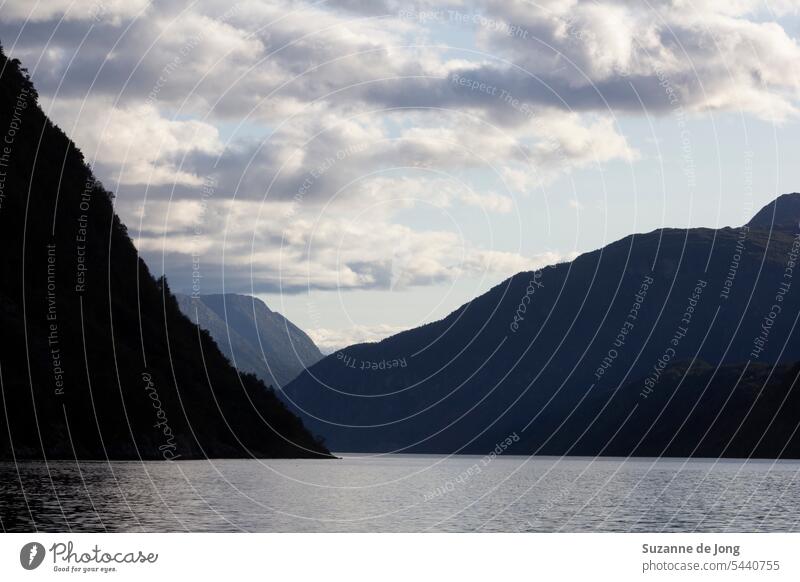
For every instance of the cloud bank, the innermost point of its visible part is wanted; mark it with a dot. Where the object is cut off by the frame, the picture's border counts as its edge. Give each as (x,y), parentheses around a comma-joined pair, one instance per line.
(293,146)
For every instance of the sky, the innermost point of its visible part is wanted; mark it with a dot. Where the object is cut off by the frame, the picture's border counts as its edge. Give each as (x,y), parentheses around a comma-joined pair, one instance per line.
(368,166)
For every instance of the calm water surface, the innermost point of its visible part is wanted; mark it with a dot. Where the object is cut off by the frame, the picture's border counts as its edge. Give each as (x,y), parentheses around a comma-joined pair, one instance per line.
(407,493)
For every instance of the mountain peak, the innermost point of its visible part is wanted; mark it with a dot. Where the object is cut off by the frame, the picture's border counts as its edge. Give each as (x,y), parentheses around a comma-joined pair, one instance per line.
(257,339)
(781,212)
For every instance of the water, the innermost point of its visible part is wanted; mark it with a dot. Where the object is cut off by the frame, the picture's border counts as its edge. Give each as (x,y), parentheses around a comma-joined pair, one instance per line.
(407,493)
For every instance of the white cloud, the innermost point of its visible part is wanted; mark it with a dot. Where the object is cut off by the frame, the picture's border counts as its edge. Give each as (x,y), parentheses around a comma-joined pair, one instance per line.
(97,11)
(712,52)
(569,142)
(135,143)
(258,247)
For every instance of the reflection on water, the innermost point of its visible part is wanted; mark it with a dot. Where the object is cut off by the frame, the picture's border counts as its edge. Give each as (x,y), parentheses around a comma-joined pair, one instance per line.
(402,493)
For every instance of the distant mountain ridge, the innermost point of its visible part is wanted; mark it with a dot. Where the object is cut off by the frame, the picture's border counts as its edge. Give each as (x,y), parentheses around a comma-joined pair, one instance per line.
(97,361)
(556,356)
(255,338)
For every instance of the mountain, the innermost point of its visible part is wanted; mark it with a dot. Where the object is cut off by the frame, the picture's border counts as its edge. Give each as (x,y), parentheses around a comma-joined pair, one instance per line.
(780,213)
(562,356)
(255,338)
(701,410)
(97,360)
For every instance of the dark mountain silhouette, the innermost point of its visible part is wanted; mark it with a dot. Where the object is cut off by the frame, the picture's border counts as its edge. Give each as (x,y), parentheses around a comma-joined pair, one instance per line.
(97,360)
(255,338)
(700,410)
(782,213)
(563,356)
